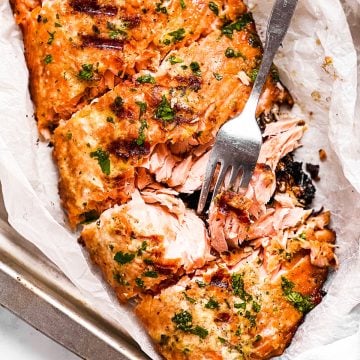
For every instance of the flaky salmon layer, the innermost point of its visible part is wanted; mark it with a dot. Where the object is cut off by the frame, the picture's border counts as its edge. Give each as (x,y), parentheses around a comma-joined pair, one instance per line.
(147,243)
(238,309)
(196,89)
(78,49)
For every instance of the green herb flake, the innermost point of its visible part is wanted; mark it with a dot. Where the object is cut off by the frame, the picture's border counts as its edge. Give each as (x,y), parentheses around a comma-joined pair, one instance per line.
(57,24)
(256,306)
(237,284)
(160,8)
(141,133)
(214,8)
(229,28)
(183,320)
(142,107)
(253,74)
(175,60)
(302,236)
(139,282)
(151,274)
(110,119)
(177,35)
(218,76)
(86,73)
(182,4)
(164,110)
(51,37)
(199,331)
(258,337)
(114,31)
(164,339)
(48,59)
(200,283)
(120,278)
(188,298)
(148,262)
(222,340)
(251,318)
(146,79)
(167,42)
(195,68)
(231,53)
(123,258)
(240,305)
(238,331)
(103,160)
(212,304)
(142,248)
(301,302)
(68,135)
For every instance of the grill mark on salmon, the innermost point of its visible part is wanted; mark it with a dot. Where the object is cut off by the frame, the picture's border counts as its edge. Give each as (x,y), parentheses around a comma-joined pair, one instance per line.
(92,7)
(102,43)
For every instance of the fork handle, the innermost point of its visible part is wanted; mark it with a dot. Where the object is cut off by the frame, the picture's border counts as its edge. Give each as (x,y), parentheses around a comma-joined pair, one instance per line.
(278,24)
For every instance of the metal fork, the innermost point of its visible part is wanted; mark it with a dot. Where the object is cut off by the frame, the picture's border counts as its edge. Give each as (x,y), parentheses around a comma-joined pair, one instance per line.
(238,142)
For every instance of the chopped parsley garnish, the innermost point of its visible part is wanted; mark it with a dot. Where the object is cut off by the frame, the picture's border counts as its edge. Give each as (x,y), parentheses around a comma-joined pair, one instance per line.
(214,7)
(175,60)
(123,258)
(200,331)
(164,110)
(302,236)
(222,340)
(240,305)
(188,298)
(150,274)
(120,278)
(184,67)
(200,283)
(217,76)
(141,135)
(139,282)
(238,331)
(114,31)
(110,119)
(160,8)
(148,262)
(68,135)
(142,248)
(258,337)
(229,28)
(231,53)
(256,306)
(182,4)
(183,320)
(212,304)
(301,302)
(57,24)
(48,59)
(237,284)
(118,105)
(253,74)
(51,37)
(103,160)
(167,42)
(142,106)
(146,79)
(195,68)
(251,318)
(86,73)
(177,35)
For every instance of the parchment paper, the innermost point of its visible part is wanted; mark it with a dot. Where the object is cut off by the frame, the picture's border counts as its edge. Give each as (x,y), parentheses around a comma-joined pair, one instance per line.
(318,64)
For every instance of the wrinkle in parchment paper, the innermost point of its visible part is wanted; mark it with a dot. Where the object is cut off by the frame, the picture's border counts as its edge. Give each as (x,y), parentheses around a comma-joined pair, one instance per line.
(318,65)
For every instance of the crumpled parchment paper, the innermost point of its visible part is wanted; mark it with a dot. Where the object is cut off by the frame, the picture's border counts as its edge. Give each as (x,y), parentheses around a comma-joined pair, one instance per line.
(318,63)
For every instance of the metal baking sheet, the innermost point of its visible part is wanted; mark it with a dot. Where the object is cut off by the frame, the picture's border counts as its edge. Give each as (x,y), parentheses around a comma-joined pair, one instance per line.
(36,290)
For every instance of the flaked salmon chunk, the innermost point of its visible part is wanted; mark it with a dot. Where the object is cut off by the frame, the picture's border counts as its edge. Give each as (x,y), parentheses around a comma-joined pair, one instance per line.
(238,311)
(146,244)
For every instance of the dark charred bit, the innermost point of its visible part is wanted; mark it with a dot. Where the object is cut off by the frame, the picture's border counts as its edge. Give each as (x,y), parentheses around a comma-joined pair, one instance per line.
(192,82)
(127,149)
(219,280)
(191,202)
(131,22)
(222,317)
(290,177)
(313,170)
(102,43)
(225,207)
(81,241)
(92,7)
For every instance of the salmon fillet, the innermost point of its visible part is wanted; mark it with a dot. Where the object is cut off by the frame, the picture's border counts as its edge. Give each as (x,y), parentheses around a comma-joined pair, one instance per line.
(132,94)
(238,310)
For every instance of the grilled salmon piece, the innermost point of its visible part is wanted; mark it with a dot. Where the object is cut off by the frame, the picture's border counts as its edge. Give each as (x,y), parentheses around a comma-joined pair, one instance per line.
(77,49)
(195,91)
(141,247)
(242,311)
